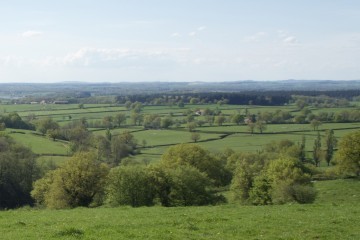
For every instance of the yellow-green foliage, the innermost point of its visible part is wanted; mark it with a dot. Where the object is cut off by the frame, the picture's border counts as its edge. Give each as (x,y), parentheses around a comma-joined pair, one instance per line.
(76,183)
(196,156)
(348,155)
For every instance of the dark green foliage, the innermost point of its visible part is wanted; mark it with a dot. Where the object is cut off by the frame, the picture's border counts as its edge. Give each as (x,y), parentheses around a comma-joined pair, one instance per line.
(189,187)
(304,193)
(330,143)
(18,170)
(130,185)
(13,120)
(317,152)
(183,185)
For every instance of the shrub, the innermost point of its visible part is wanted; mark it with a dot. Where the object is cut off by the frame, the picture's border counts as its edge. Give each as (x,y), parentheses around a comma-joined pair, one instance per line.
(130,185)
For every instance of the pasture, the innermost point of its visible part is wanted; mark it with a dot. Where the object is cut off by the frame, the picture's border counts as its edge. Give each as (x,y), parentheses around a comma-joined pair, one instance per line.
(152,143)
(334,215)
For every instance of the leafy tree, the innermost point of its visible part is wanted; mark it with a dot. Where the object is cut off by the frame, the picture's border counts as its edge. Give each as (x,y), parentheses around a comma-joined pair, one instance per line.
(237,119)
(302,156)
(246,167)
(152,121)
(219,120)
(108,121)
(122,146)
(166,122)
(260,193)
(330,142)
(130,185)
(103,146)
(80,138)
(315,124)
(45,124)
(347,157)
(210,119)
(191,126)
(136,118)
(300,103)
(194,155)
(300,119)
(120,119)
(195,136)
(108,134)
(127,104)
(189,187)
(289,181)
(78,182)
(261,126)
(251,127)
(317,152)
(53,133)
(18,170)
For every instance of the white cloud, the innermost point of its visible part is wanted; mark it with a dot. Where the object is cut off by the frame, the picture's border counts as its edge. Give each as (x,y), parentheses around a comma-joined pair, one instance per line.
(175,35)
(29,34)
(201,28)
(192,34)
(290,40)
(287,38)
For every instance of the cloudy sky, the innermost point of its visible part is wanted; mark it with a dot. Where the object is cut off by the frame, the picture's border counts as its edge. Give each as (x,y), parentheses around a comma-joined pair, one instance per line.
(185,40)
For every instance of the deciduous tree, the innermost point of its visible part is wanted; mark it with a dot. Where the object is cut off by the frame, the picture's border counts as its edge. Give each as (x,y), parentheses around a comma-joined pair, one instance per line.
(348,155)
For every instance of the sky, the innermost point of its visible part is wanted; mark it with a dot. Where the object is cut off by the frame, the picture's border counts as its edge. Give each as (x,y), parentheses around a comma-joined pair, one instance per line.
(188,40)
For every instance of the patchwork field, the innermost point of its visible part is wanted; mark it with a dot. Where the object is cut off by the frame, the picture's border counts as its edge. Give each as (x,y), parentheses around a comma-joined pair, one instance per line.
(215,138)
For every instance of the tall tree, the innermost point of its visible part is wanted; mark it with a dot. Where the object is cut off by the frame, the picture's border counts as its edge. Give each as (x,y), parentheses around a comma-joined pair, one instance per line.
(330,142)
(302,155)
(317,150)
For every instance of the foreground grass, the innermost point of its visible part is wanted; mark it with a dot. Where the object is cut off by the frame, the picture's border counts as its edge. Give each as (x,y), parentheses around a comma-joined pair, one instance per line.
(335,215)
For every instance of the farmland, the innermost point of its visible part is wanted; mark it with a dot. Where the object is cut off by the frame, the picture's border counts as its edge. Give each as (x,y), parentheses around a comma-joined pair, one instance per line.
(333,215)
(213,137)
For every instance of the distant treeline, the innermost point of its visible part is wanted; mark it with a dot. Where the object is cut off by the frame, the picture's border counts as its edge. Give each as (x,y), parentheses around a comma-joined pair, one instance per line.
(269,98)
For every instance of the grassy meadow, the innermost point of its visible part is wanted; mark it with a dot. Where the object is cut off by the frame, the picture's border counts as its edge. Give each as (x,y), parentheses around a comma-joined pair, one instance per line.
(334,215)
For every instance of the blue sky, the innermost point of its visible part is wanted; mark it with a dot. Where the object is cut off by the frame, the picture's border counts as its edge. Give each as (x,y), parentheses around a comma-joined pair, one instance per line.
(187,40)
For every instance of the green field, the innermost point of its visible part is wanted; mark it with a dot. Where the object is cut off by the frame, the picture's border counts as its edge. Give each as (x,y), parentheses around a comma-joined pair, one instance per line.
(214,138)
(334,215)
(39,144)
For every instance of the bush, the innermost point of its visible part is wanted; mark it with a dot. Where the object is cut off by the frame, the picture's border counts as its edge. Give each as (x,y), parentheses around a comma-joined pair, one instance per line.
(78,182)
(304,193)
(189,187)
(130,185)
